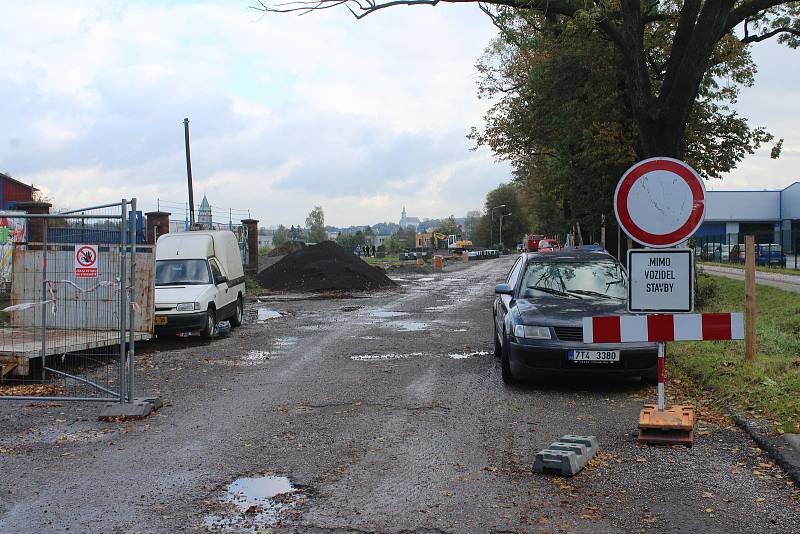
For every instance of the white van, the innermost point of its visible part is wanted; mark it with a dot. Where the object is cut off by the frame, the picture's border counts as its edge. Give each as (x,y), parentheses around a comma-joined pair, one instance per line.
(199,282)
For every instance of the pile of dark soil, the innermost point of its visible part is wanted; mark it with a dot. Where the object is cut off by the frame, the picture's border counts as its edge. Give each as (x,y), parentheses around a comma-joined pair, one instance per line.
(323,267)
(287,248)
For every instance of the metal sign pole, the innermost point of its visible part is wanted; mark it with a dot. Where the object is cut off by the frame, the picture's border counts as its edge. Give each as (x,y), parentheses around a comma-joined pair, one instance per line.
(44,299)
(661,351)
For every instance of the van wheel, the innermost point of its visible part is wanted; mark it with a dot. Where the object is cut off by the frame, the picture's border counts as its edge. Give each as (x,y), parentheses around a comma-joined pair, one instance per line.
(210,328)
(236,320)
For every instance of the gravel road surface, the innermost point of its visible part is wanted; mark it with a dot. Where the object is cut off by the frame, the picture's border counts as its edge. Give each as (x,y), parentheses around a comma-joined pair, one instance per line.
(387,414)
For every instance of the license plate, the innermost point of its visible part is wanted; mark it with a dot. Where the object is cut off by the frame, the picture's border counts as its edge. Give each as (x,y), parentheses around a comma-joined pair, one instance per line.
(161,319)
(593,356)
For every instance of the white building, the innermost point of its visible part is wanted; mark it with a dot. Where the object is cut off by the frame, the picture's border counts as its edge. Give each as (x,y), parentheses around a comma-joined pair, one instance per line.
(775,212)
(408,222)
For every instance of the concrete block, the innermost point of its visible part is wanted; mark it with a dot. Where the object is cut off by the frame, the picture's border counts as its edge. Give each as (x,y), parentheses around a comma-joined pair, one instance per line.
(124,411)
(579,449)
(590,442)
(556,462)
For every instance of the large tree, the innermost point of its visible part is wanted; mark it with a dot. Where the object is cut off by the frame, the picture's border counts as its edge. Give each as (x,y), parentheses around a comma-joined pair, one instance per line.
(561,118)
(659,110)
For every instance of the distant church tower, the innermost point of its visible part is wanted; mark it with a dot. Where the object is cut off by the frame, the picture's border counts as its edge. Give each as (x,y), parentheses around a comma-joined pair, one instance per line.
(403,215)
(204,214)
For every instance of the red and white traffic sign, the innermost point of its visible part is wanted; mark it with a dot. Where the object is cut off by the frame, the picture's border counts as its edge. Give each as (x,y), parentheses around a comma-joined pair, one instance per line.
(664,327)
(86,261)
(660,202)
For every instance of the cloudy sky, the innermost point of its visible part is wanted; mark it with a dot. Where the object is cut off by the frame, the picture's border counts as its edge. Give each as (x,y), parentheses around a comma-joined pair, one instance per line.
(361,117)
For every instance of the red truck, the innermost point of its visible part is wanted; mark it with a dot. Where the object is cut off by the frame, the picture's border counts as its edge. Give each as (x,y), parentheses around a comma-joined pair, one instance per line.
(532,242)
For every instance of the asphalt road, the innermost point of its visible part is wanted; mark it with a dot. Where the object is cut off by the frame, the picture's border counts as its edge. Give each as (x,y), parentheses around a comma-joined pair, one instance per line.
(388,414)
(787,282)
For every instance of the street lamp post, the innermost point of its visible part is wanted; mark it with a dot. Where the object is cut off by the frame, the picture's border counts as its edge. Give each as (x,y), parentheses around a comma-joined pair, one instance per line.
(501,225)
(491,226)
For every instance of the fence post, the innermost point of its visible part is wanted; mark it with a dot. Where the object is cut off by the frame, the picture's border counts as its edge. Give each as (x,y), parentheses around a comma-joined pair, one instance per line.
(252,244)
(43,299)
(122,307)
(132,302)
(750,297)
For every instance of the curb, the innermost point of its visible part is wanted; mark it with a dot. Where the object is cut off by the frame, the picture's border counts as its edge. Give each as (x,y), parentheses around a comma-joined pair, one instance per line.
(784,449)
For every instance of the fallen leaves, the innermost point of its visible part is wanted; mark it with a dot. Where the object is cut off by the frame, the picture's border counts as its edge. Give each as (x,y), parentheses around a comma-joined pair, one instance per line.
(32,390)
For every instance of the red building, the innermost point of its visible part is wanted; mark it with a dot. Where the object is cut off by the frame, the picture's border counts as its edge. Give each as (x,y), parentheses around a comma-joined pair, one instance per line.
(13,191)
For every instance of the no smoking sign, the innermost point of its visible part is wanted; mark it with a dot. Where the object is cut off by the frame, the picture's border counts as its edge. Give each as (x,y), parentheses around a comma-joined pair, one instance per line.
(86,261)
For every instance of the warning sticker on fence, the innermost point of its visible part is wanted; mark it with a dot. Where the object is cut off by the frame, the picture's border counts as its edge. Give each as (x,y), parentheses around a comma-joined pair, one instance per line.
(86,261)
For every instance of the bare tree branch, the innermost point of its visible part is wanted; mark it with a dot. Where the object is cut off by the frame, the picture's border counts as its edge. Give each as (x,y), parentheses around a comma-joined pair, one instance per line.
(764,36)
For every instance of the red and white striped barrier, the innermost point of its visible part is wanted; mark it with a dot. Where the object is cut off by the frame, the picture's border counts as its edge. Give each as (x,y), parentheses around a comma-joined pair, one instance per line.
(663,327)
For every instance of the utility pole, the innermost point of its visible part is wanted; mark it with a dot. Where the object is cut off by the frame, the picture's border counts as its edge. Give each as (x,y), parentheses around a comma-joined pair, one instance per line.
(189,171)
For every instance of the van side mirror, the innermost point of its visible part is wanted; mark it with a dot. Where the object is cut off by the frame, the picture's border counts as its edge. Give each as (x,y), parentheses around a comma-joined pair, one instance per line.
(503,289)
(221,279)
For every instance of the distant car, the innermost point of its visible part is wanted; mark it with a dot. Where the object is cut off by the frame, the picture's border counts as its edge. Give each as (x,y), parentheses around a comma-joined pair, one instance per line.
(538,316)
(769,254)
(548,245)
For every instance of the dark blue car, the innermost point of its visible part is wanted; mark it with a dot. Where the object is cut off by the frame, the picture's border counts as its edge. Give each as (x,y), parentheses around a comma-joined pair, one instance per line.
(538,316)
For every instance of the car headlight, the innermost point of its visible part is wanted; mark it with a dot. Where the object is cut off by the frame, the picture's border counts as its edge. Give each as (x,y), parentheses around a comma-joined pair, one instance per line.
(531,332)
(188,306)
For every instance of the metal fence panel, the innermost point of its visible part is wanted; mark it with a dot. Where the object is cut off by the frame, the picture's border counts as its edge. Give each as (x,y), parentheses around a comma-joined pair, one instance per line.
(70,337)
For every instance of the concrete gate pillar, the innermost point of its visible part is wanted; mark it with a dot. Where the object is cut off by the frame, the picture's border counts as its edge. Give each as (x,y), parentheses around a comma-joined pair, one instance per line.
(157,225)
(252,244)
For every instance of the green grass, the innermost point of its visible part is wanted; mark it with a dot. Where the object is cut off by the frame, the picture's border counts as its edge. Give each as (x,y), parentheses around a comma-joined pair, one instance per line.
(762,268)
(770,385)
(251,285)
(390,258)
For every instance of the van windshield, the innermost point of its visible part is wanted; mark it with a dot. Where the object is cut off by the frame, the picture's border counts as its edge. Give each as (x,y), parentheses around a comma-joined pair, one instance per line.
(182,272)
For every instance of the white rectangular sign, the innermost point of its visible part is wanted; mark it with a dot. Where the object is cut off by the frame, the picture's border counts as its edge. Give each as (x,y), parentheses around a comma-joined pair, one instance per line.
(86,261)
(660,280)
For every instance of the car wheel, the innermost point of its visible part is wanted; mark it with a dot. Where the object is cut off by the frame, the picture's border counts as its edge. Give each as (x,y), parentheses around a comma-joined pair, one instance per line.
(505,365)
(236,320)
(210,328)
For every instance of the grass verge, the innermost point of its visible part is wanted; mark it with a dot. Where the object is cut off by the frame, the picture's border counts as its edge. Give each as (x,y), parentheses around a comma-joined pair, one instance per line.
(251,285)
(770,385)
(761,268)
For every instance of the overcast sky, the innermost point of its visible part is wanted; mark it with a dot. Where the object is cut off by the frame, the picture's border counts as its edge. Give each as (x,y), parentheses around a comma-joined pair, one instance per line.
(287,112)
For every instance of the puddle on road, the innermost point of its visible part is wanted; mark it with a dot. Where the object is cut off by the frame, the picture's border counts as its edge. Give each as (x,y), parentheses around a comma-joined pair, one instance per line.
(265,313)
(411,326)
(438,308)
(425,279)
(253,357)
(283,342)
(386,356)
(387,314)
(253,504)
(464,355)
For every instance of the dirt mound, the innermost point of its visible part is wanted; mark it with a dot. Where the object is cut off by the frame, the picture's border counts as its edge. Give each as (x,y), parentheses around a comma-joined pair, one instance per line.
(287,248)
(322,267)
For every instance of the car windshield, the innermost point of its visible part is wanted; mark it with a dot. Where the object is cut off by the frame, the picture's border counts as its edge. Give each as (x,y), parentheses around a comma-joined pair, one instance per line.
(182,272)
(601,279)
(774,247)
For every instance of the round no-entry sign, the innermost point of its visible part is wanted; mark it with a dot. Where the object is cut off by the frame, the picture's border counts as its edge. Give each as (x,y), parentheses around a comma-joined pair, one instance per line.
(660,202)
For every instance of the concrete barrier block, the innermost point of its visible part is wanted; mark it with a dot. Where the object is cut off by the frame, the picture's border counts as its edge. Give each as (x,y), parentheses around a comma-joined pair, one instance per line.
(590,442)
(556,462)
